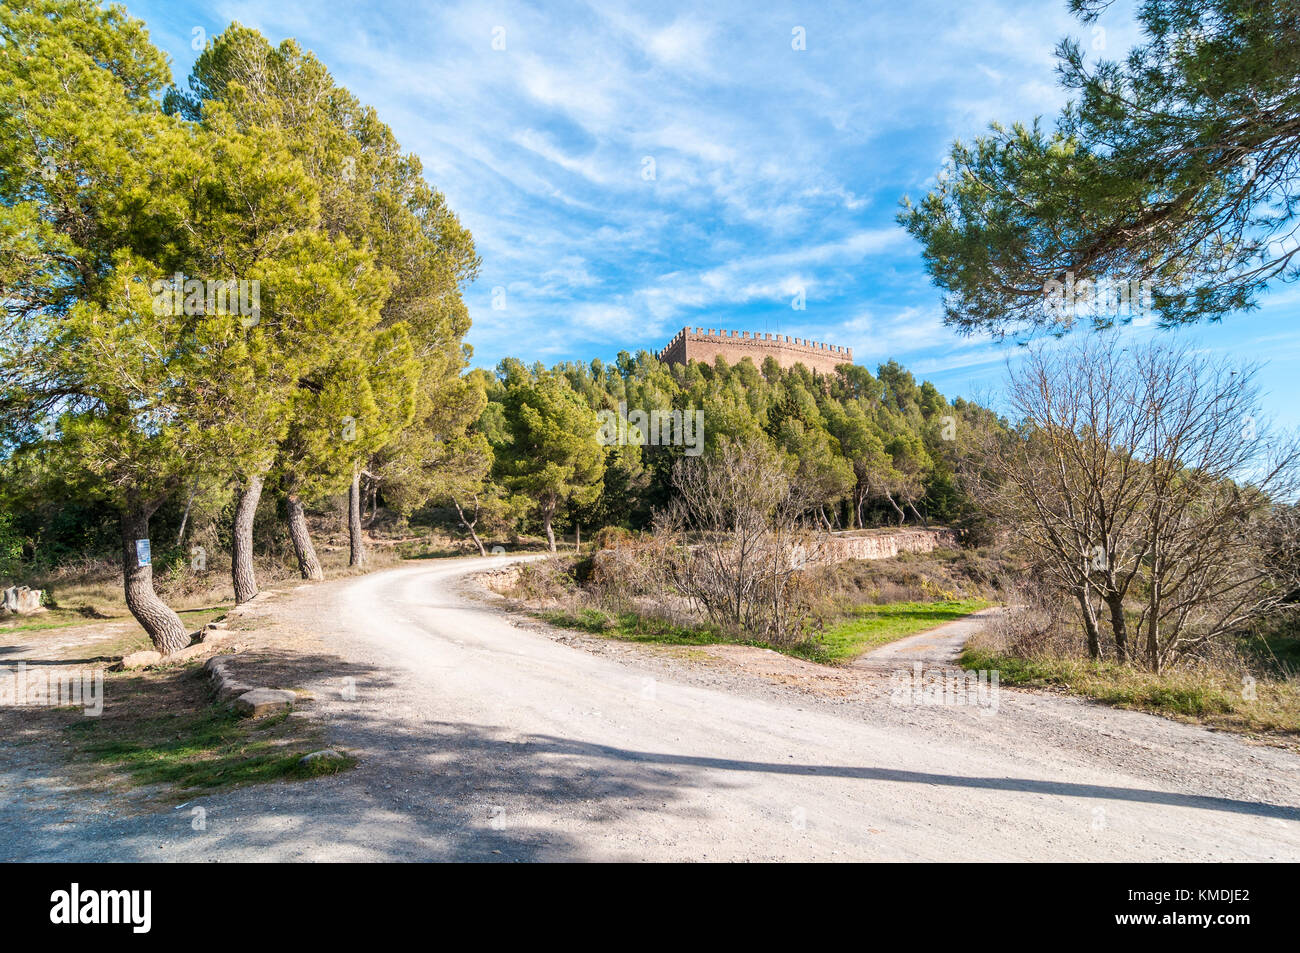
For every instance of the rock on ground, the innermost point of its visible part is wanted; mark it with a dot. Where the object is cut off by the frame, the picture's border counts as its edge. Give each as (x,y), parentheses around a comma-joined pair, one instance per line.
(21,600)
(264,701)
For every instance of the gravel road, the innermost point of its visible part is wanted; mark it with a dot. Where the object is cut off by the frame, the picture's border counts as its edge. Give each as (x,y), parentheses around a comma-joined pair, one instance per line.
(484,739)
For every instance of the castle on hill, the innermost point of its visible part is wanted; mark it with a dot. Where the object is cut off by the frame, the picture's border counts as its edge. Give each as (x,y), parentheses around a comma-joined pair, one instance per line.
(705,346)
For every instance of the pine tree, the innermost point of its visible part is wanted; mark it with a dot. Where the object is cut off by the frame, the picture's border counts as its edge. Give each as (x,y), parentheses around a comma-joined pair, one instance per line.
(374,195)
(549,451)
(131,267)
(1167,186)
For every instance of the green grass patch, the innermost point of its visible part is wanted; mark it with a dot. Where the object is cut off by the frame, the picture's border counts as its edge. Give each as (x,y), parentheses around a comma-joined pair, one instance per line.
(1201,696)
(201,617)
(871,626)
(1278,650)
(49,619)
(867,627)
(207,748)
(632,627)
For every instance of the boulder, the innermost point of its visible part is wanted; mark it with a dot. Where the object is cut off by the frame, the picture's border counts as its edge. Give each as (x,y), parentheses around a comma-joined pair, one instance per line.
(328,754)
(141,659)
(231,689)
(194,650)
(264,701)
(21,600)
(210,635)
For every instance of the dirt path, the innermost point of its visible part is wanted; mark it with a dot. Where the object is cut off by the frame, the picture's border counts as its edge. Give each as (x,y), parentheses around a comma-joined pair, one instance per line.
(484,739)
(938,646)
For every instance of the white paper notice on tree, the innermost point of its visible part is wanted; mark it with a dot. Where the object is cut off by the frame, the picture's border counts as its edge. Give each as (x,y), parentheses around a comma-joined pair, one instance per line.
(143,556)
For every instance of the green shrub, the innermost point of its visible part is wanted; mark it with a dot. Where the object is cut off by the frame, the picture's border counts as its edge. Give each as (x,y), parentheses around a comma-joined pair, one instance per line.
(11,548)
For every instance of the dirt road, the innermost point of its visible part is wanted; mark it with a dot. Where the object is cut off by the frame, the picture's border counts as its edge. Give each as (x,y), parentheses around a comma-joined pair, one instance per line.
(483,740)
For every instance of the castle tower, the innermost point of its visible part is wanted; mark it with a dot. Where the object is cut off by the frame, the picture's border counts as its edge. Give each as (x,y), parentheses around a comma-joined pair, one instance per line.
(706,345)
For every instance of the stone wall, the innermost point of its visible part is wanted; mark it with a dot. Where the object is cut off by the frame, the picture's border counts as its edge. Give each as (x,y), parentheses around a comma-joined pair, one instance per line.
(705,345)
(831,549)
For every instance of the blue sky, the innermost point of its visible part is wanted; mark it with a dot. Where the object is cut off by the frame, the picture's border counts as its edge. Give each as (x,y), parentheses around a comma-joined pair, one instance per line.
(630,169)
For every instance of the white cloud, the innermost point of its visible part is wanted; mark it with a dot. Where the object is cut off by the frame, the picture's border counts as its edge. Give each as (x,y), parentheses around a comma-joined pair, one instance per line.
(684,42)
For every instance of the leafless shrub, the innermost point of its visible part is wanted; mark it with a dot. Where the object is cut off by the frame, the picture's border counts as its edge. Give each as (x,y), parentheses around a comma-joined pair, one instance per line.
(547,582)
(1034,623)
(628,571)
(734,544)
(919,577)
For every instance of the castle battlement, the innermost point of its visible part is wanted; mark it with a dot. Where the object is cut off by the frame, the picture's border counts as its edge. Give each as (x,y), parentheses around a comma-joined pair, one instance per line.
(707,344)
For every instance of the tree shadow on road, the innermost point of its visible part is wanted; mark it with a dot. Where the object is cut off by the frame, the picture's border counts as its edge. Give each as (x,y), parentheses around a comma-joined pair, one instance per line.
(453,790)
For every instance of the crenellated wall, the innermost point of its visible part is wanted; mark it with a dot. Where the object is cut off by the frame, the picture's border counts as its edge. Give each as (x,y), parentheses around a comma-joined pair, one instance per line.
(707,344)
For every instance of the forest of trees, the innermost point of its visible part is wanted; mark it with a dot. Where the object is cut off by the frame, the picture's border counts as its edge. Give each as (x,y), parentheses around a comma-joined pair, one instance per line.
(865,449)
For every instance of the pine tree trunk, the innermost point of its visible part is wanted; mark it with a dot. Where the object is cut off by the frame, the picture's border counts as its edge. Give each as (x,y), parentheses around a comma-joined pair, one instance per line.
(242,572)
(897,509)
(482,550)
(185,520)
(308,564)
(163,626)
(357,554)
(548,516)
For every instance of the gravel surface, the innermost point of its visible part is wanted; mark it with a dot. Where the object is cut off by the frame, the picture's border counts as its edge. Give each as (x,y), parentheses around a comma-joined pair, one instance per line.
(484,736)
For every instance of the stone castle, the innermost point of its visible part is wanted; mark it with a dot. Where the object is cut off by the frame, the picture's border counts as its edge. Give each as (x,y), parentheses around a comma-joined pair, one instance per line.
(698,344)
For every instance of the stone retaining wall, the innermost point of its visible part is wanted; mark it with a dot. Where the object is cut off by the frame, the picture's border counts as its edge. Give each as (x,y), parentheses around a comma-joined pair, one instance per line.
(884,544)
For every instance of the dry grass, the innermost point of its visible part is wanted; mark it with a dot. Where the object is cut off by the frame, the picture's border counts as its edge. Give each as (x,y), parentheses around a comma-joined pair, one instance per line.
(941,575)
(161,728)
(1246,685)
(90,588)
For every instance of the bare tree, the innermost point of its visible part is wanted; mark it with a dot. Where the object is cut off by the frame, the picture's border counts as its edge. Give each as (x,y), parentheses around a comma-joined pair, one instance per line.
(1217,477)
(1143,481)
(738,515)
